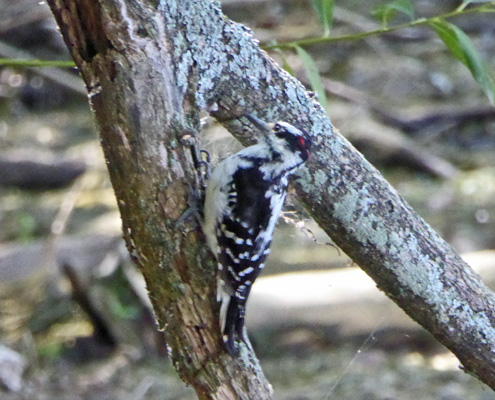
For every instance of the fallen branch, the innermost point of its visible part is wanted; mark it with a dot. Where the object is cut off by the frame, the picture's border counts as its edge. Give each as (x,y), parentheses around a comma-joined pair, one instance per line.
(27,172)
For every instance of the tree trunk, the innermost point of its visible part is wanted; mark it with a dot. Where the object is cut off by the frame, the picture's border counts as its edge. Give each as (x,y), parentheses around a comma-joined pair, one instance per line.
(150,67)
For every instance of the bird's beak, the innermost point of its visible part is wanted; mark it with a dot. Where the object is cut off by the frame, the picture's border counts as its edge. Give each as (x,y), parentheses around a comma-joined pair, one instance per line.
(258,123)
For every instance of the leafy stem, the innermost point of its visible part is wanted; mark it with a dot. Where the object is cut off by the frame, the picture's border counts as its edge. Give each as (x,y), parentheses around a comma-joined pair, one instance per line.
(485,8)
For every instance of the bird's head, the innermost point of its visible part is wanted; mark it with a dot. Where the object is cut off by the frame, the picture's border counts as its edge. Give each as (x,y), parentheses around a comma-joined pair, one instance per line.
(283,138)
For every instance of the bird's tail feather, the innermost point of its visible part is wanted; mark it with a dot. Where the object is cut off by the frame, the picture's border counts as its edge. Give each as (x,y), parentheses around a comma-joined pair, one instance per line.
(232,313)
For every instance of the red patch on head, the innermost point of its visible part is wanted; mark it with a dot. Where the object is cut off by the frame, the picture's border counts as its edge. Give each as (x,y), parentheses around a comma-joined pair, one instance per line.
(303,145)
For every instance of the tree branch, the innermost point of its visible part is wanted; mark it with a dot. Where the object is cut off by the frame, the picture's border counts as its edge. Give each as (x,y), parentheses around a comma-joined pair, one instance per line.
(149,68)
(147,123)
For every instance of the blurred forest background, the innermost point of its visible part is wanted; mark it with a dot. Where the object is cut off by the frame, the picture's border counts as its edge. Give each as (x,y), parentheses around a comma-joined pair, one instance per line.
(75,322)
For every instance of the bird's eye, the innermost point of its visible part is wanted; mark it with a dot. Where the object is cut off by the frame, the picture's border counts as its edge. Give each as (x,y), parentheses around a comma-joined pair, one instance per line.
(279,131)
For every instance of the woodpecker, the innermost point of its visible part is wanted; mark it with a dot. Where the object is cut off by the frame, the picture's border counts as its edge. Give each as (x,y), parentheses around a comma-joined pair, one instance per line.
(244,198)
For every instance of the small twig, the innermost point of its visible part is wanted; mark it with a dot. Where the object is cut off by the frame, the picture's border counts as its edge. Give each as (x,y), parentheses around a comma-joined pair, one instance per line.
(33,63)
(16,57)
(102,332)
(59,223)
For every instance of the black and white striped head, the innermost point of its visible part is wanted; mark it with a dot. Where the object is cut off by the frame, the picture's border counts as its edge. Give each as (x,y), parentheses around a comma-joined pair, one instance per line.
(284,139)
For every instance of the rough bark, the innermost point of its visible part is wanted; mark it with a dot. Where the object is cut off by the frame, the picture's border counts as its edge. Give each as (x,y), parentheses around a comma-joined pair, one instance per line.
(149,67)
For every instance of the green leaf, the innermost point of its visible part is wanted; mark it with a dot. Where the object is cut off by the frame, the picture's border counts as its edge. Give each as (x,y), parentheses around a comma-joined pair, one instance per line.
(461,46)
(313,75)
(448,35)
(287,66)
(324,12)
(387,12)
